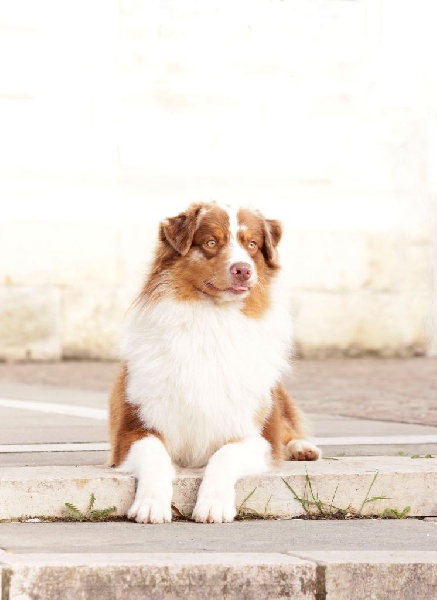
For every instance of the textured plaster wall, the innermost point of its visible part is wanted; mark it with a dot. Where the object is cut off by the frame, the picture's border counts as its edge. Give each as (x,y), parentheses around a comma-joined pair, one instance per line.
(320,112)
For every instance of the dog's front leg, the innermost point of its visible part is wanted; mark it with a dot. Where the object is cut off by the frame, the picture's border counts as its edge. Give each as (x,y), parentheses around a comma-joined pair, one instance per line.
(149,461)
(216,497)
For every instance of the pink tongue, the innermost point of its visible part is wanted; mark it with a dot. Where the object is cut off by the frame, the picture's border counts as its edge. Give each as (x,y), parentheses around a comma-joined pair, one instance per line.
(239,288)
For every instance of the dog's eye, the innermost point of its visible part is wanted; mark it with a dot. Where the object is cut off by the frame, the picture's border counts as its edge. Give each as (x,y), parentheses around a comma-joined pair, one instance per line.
(211,243)
(252,244)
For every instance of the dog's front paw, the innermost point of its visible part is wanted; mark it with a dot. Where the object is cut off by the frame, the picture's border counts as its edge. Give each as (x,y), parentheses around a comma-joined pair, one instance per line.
(215,508)
(302,450)
(150,510)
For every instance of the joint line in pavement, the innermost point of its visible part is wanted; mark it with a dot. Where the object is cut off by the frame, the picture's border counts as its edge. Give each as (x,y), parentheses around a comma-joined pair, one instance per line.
(56,409)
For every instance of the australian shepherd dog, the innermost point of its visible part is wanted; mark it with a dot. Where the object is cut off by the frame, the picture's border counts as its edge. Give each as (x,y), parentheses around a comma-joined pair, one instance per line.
(203,351)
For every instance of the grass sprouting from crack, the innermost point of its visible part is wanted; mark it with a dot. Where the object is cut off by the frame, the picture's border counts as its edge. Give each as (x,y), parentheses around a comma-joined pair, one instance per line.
(266,507)
(374,498)
(314,507)
(244,513)
(91,513)
(249,495)
(333,498)
(307,504)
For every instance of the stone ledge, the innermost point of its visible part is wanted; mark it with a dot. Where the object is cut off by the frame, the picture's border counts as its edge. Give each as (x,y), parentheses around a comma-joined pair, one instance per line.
(312,575)
(380,574)
(160,576)
(344,482)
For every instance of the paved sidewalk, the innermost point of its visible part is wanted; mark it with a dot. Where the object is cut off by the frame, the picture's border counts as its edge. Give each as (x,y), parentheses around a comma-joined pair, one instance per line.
(301,575)
(55,414)
(240,536)
(401,390)
(357,407)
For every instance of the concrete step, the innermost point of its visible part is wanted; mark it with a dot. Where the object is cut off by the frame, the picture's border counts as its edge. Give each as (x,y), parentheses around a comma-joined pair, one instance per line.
(363,485)
(299,575)
(248,535)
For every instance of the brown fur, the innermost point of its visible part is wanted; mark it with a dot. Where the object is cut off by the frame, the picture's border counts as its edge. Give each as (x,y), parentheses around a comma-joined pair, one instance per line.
(125,426)
(285,423)
(179,270)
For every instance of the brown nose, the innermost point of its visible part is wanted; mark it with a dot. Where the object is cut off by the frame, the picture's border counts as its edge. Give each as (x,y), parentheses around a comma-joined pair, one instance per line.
(241,271)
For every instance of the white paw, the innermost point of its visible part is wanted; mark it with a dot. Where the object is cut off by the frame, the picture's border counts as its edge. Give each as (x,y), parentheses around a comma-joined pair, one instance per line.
(150,510)
(215,508)
(302,450)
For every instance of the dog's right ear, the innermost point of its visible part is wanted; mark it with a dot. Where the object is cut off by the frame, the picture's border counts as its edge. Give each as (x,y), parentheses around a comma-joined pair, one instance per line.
(272,237)
(179,231)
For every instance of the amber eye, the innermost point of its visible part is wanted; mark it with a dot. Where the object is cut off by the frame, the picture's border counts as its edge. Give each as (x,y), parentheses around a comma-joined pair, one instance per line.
(252,244)
(211,243)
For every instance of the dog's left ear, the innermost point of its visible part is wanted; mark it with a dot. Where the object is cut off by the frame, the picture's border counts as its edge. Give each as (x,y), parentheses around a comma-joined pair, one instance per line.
(179,231)
(272,237)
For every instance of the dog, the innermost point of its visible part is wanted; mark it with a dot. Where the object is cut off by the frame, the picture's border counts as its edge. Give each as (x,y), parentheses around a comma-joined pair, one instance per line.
(203,350)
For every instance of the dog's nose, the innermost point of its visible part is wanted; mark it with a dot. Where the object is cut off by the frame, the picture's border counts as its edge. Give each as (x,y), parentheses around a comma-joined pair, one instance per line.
(241,271)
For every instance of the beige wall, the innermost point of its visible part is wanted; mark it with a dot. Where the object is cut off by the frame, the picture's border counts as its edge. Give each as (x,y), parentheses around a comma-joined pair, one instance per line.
(320,112)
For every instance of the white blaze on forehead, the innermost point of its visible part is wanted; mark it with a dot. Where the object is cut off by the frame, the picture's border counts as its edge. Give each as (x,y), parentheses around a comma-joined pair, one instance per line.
(234,224)
(237,253)
(233,221)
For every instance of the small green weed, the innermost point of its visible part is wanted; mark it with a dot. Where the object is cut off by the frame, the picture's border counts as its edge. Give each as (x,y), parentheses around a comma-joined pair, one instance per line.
(422,456)
(249,495)
(309,504)
(401,453)
(313,506)
(393,513)
(247,513)
(244,513)
(374,498)
(91,514)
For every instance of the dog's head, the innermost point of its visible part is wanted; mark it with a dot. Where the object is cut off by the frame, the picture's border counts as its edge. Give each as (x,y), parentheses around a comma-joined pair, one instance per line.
(218,252)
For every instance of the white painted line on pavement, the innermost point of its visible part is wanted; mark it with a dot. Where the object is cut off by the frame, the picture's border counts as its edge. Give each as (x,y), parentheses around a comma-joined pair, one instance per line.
(79,447)
(56,409)
(375,440)
(101,414)
(104,446)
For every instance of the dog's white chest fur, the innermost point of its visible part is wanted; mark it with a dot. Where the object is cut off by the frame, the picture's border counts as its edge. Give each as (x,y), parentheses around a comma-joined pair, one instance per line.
(201,371)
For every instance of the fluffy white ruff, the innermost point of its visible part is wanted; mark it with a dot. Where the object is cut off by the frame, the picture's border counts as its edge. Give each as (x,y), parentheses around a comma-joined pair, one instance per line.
(200,371)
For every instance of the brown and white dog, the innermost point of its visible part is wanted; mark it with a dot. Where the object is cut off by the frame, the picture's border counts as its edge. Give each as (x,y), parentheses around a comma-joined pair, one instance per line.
(203,351)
